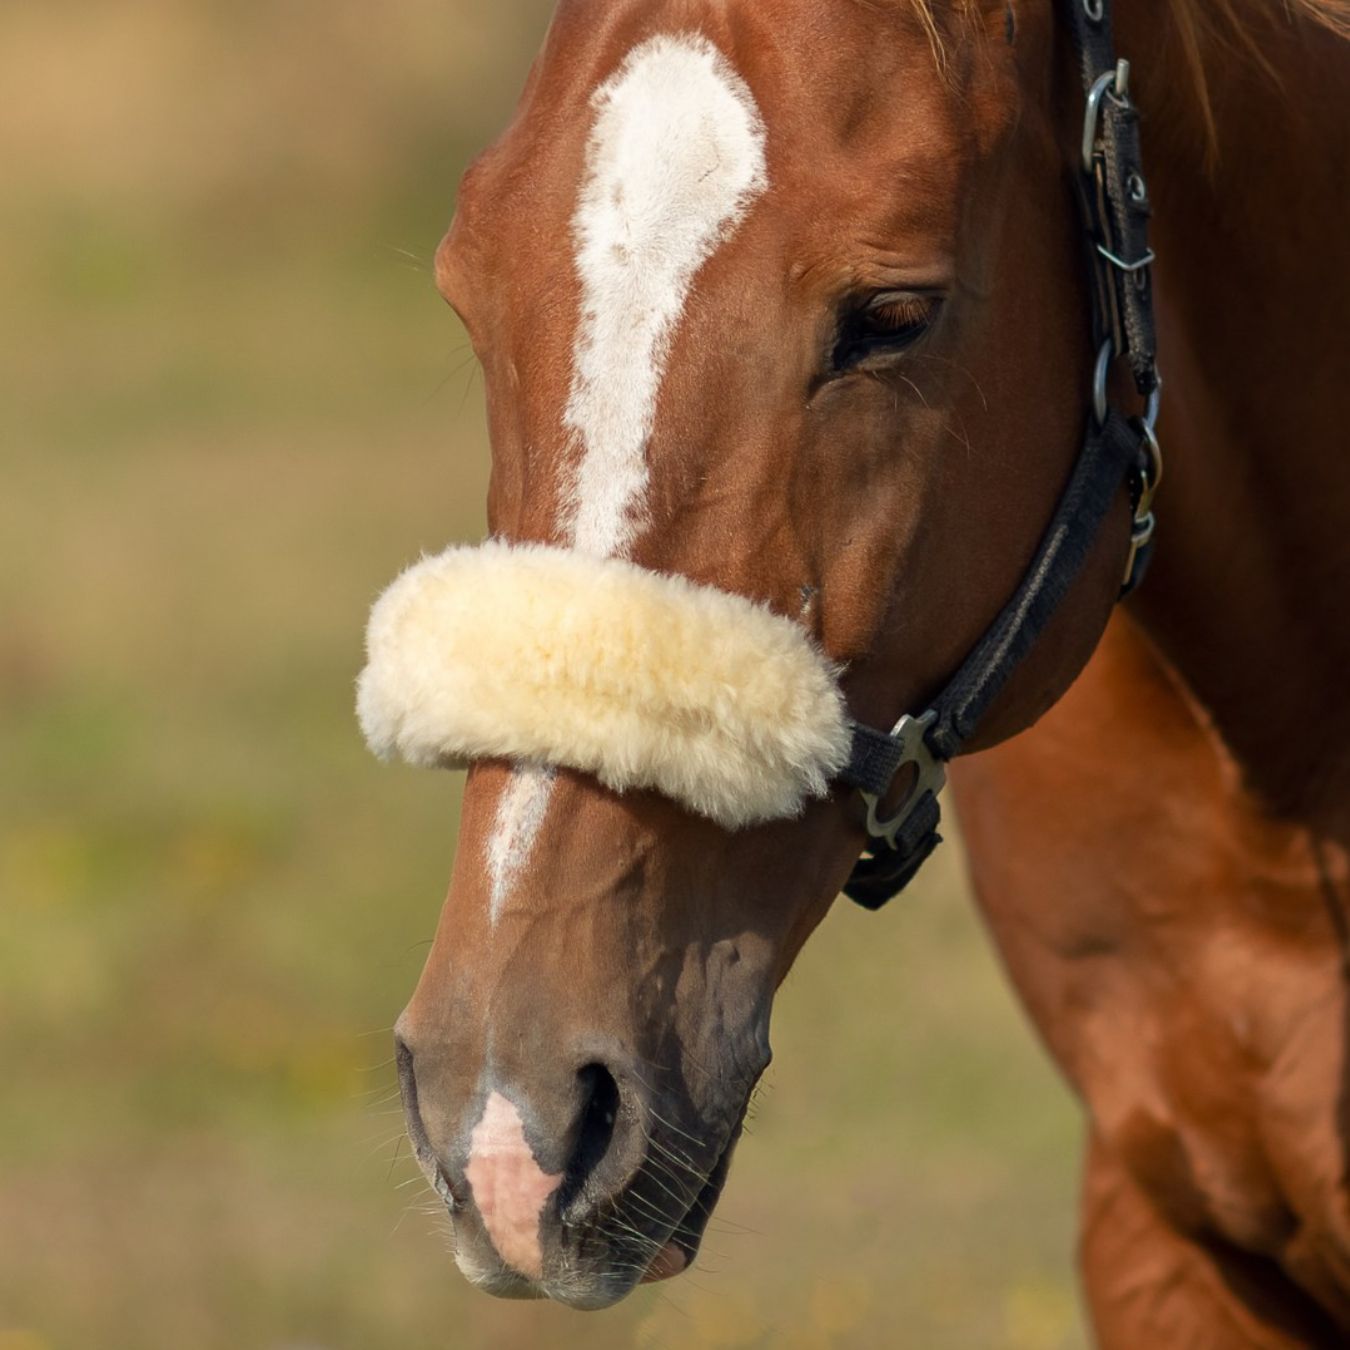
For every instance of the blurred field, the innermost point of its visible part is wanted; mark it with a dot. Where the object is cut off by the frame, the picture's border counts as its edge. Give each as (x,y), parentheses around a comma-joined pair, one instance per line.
(231,405)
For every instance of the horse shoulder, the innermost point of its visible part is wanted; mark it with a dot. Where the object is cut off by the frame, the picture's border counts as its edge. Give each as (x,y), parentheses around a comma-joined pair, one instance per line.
(1182,954)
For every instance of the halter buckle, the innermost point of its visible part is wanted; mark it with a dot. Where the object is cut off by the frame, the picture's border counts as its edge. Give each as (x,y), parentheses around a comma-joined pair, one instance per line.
(1147,479)
(910,734)
(1116,83)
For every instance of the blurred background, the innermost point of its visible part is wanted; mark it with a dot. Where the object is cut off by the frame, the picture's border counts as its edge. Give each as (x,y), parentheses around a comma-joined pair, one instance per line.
(231,406)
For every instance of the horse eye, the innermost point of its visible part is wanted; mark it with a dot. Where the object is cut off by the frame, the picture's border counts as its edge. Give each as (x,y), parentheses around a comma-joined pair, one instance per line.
(883,324)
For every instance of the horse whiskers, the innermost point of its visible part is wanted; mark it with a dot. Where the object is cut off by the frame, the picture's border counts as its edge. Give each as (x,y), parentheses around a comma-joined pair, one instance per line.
(385,1092)
(679,1191)
(386,1141)
(674,1129)
(619,1230)
(660,1178)
(670,1126)
(653,1210)
(685,1180)
(413,1207)
(673,1156)
(959,368)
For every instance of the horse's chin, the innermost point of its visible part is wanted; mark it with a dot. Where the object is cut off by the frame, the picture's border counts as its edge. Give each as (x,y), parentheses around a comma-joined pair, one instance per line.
(594,1293)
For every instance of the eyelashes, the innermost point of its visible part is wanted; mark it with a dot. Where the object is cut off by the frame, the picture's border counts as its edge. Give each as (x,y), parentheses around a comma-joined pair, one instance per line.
(882,324)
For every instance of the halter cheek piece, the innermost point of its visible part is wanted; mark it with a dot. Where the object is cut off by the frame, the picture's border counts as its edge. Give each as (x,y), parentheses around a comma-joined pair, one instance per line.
(1117,449)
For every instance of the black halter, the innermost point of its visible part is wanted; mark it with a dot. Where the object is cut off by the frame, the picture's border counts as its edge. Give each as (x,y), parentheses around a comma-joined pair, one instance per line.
(1117,450)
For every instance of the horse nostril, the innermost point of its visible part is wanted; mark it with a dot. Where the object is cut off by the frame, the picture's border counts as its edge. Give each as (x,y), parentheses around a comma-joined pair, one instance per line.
(599,1112)
(595,1168)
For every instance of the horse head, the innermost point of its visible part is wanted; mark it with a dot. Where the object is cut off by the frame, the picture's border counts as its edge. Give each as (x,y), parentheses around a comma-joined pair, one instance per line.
(786,372)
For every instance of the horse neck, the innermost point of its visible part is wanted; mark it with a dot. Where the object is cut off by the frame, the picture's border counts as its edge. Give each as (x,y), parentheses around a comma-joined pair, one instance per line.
(1250,595)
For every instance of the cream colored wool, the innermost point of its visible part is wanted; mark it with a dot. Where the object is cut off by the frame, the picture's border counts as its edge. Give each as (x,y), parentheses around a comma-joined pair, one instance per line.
(645,680)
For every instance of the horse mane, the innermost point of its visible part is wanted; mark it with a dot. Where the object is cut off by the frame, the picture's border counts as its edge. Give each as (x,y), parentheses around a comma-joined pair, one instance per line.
(1219,29)
(1206,30)
(1195,16)
(1333,14)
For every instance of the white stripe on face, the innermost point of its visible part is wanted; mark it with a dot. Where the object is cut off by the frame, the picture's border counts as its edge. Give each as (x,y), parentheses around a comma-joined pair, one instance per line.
(520,813)
(675,160)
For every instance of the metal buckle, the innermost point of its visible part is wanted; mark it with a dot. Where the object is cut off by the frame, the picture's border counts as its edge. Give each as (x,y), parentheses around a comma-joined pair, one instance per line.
(1141,536)
(1121,265)
(1150,479)
(911,733)
(1115,82)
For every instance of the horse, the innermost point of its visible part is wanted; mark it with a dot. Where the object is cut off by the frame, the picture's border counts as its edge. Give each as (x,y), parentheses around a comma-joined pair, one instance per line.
(792,316)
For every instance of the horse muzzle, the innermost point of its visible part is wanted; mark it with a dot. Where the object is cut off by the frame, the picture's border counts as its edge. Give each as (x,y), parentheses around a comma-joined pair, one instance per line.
(576,1185)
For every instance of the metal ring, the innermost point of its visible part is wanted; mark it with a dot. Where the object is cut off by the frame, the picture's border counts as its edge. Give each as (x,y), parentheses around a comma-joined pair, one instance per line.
(1100,406)
(1093,116)
(1141,536)
(1156,469)
(930,779)
(1094,9)
(1154,408)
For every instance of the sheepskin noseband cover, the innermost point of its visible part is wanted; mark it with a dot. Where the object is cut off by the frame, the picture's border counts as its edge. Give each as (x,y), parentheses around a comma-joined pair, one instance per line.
(642,679)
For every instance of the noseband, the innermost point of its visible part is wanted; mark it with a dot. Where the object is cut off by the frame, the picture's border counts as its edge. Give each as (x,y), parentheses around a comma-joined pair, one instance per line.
(650,682)
(1116,449)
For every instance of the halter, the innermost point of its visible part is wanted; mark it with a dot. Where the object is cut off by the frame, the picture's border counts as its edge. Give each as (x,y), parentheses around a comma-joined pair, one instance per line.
(1116,449)
(649,681)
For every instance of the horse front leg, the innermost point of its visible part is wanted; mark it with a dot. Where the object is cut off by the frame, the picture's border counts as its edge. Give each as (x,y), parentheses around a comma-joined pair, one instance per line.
(1150,1285)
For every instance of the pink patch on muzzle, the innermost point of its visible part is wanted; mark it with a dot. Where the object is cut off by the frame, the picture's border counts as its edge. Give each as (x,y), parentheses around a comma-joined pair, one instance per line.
(510,1189)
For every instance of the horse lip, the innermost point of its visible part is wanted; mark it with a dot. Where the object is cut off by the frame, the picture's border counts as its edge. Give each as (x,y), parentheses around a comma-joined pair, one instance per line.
(688,1233)
(606,1289)
(441,1184)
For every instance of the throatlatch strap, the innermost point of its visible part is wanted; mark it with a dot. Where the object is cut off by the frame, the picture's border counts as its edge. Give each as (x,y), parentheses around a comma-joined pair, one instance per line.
(1108,456)
(1116,450)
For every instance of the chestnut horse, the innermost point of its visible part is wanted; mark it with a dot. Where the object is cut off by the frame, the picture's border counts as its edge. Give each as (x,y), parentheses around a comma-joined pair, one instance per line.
(782,304)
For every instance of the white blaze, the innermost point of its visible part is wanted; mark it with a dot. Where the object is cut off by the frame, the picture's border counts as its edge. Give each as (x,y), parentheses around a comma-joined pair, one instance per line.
(675,159)
(520,813)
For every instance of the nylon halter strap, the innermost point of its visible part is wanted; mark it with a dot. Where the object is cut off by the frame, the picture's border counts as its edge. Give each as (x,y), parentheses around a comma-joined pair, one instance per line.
(1117,450)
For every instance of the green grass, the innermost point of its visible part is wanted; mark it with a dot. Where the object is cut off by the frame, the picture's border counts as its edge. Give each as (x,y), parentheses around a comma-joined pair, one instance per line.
(231,406)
